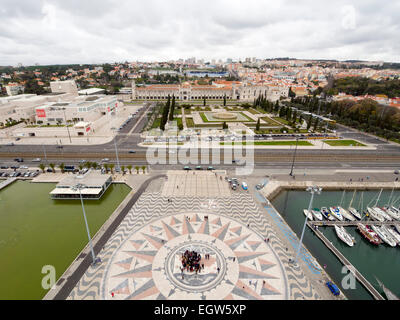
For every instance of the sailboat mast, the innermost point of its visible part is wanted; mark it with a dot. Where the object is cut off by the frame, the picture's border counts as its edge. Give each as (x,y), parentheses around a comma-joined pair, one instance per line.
(377,200)
(351,202)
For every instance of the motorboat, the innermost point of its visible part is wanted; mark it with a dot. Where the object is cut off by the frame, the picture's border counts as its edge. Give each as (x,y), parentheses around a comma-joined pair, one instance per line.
(347,215)
(308,214)
(336,213)
(344,235)
(394,234)
(375,215)
(317,214)
(383,214)
(325,212)
(393,213)
(355,213)
(386,237)
(397,227)
(369,234)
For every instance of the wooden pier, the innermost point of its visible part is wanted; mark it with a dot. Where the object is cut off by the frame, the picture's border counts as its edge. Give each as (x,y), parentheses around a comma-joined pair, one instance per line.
(342,258)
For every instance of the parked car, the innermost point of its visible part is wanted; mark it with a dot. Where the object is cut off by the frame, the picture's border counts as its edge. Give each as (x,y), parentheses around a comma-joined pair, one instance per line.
(334,289)
(132,151)
(36,160)
(19,159)
(396,172)
(187,168)
(105,160)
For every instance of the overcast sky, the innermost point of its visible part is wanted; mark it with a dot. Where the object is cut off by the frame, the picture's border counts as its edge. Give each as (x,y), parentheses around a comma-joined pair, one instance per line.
(97,31)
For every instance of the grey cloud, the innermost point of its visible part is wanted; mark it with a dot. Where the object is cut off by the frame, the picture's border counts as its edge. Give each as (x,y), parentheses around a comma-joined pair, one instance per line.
(59,31)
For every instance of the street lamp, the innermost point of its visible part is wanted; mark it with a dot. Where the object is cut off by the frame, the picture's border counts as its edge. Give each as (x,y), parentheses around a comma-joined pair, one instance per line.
(79,187)
(116,152)
(66,124)
(313,190)
(294,156)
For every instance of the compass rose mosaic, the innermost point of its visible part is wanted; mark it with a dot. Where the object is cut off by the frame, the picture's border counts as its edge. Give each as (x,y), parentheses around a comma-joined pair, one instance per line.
(226,261)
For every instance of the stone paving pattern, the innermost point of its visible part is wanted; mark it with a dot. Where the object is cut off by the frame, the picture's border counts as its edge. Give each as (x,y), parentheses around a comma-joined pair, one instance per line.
(154,227)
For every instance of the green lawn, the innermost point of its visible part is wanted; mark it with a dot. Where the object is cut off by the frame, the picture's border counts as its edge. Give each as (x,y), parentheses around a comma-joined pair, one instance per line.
(272,143)
(189,122)
(270,121)
(344,143)
(281,120)
(204,118)
(156,123)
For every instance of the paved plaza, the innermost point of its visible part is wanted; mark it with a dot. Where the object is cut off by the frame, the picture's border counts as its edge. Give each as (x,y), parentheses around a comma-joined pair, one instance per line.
(142,259)
(196,183)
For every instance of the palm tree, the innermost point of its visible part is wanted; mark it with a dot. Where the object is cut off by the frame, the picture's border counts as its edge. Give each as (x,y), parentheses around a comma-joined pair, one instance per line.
(123,169)
(80,167)
(94,165)
(52,166)
(112,165)
(129,168)
(88,164)
(106,166)
(61,166)
(42,166)
(137,169)
(144,169)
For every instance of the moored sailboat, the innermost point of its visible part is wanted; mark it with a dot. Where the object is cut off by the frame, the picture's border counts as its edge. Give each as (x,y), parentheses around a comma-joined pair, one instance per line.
(344,236)
(325,212)
(369,234)
(384,235)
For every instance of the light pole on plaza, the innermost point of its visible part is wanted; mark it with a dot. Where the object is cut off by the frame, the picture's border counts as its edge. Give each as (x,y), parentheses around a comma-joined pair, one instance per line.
(294,156)
(66,124)
(79,187)
(313,190)
(116,152)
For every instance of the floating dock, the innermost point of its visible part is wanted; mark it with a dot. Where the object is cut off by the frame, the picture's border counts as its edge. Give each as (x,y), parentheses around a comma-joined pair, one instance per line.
(371,289)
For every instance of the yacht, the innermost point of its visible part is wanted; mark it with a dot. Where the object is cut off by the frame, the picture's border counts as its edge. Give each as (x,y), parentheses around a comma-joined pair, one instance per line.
(344,236)
(375,215)
(355,212)
(347,215)
(317,214)
(384,236)
(325,212)
(336,213)
(369,234)
(308,214)
(393,213)
(394,234)
(383,213)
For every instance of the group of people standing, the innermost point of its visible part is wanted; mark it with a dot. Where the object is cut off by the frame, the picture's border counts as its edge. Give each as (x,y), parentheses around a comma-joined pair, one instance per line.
(191,261)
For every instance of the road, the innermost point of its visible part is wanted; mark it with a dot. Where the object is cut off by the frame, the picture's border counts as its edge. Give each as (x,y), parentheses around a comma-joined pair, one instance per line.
(387,155)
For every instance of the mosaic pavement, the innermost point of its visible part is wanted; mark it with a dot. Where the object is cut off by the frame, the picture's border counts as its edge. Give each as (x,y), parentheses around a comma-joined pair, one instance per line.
(141,259)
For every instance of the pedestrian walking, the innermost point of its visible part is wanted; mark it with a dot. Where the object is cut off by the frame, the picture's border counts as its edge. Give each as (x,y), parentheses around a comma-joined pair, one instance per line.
(112,294)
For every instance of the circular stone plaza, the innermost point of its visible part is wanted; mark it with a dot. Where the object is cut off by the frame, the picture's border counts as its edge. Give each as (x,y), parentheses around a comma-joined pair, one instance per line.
(194,214)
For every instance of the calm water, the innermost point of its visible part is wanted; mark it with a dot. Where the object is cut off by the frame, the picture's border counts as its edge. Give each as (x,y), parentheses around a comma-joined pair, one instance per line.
(382,262)
(37,231)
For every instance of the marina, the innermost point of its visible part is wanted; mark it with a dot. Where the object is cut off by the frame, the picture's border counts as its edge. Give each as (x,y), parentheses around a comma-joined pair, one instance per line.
(364,252)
